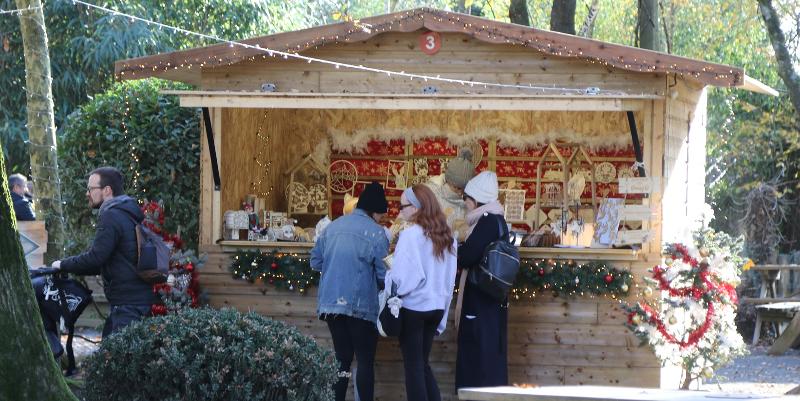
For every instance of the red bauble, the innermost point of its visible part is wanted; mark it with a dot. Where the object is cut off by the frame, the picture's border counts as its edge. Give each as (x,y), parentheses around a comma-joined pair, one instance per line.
(541,271)
(608,278)
(274,266)
(189,267)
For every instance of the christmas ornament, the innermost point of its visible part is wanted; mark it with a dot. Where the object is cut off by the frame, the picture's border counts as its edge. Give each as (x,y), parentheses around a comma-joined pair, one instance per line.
(624,288)
(541,271)
(274,266)
(702,293)
(608,278)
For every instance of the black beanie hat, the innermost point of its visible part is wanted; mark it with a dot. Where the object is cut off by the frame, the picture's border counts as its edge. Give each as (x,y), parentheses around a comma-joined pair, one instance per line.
(373,199)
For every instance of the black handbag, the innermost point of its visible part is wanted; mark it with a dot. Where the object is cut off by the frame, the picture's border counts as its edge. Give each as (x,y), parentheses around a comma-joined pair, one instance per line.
(388,324)
(498,269)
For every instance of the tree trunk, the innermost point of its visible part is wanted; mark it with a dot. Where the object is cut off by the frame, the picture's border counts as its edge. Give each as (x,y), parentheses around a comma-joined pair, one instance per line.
(41,126)
(648,25)
(562,16)
(460,7)
(27,368)
(518,12)
(785,68)
(587,29)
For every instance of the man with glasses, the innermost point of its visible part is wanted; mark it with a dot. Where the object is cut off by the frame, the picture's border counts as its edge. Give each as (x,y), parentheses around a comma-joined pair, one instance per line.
(114,252)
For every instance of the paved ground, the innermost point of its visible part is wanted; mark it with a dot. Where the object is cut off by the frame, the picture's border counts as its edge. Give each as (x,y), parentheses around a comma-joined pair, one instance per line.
(759,373)
(754,373)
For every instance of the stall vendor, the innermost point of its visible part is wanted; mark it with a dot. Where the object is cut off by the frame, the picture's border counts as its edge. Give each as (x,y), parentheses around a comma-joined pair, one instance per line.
(449,190)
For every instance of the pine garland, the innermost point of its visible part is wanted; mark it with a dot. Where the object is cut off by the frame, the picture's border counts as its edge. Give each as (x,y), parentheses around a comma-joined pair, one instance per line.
(283,270)
(568,278)
(564,278)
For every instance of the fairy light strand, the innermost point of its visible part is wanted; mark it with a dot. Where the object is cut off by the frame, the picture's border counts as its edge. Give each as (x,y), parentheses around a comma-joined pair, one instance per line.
(286,55)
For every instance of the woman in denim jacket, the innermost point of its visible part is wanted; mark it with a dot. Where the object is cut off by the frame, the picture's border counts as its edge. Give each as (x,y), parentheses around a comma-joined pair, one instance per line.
(350,253)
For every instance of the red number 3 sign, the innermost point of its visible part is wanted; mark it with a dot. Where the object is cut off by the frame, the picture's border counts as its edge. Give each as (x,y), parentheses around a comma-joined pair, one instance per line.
(430,42)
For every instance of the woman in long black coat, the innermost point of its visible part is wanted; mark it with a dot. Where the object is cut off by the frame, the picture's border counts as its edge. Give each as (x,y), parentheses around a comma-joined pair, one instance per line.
(482,359)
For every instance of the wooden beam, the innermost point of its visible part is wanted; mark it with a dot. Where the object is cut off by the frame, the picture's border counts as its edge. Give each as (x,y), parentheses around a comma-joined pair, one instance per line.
(224,99)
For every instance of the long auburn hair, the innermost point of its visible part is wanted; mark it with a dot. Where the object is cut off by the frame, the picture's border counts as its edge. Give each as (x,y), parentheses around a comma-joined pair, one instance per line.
(430,217)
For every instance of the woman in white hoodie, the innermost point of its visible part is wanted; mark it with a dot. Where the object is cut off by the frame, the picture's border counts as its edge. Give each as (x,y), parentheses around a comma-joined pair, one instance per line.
(424,270)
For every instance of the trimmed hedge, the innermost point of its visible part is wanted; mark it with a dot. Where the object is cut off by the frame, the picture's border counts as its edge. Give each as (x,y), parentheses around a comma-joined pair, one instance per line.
(150,138)
(207,354)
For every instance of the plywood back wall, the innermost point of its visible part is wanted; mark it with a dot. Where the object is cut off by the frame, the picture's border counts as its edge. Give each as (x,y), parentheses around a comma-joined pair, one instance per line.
(294,133)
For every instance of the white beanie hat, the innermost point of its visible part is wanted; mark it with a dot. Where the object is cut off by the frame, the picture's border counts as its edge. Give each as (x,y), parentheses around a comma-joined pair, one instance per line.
(483,187)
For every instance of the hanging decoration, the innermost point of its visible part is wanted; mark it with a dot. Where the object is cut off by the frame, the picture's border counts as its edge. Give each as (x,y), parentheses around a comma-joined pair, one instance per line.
(262,160)
(690,320)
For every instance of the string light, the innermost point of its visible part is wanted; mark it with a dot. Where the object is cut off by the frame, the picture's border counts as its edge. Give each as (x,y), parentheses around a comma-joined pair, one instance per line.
(18,11)
(559,50)
(263,151)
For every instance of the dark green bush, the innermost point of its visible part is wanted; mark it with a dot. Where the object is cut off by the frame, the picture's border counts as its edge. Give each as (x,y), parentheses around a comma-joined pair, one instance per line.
(150,138)
(207,354)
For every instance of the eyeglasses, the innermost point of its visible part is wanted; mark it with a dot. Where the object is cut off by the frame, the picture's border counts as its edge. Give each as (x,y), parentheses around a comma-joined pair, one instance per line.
(402,206)
(90,188)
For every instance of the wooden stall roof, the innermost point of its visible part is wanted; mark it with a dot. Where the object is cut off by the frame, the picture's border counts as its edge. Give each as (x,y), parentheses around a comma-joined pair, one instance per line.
(183,65)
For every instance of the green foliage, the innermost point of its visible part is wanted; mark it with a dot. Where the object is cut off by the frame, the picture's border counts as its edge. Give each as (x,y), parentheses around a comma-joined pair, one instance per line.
(150,138)
(720,243)
(207,354)
(85,43)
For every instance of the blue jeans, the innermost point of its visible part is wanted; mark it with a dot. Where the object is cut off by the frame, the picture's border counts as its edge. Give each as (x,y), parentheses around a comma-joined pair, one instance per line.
(123,315)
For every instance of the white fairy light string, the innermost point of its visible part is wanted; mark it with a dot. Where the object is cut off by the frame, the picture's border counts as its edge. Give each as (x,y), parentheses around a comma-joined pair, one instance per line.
(286,55)
(18,11)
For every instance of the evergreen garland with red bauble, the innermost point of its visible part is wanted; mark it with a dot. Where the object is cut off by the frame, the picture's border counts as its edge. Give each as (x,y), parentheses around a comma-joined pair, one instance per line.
(182,289)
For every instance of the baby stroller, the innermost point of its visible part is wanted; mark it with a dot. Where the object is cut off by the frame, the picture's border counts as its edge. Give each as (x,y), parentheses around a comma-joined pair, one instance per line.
(59,297)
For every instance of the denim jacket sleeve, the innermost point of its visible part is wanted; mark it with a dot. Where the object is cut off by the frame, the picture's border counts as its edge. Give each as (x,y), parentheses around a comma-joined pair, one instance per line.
(380,251)
(317,253)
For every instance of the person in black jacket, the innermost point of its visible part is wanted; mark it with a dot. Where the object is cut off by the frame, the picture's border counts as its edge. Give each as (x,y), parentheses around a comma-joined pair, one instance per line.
(114,252)
(23,209)
(482,358)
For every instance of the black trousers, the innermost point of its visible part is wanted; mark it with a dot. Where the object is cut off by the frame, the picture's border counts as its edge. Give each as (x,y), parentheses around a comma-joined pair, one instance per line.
(416,339)
(354,336)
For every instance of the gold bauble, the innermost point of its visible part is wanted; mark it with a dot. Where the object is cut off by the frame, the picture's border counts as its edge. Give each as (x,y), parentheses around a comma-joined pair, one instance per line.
(673,320)
(704,252)
(624,288)
(668,261)
(708,373)
(648,291)
(636,319)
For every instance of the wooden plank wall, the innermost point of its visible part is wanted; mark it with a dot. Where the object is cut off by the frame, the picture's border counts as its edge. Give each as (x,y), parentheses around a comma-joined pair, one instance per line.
(460,57)
(551,340)
(684,158)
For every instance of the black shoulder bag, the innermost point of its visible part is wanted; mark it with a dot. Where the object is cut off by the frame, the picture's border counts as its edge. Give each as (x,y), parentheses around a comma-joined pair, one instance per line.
(498,269)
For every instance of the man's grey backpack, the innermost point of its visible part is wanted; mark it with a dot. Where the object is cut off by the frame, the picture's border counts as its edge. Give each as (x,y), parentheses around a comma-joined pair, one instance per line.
(498,269)
(154,255)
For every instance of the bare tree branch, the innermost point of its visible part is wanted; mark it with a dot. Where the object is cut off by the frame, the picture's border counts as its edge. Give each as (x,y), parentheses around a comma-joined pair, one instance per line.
(785,67)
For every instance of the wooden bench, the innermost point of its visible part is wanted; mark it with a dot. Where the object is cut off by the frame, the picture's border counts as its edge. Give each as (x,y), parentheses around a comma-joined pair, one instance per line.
(772,306)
